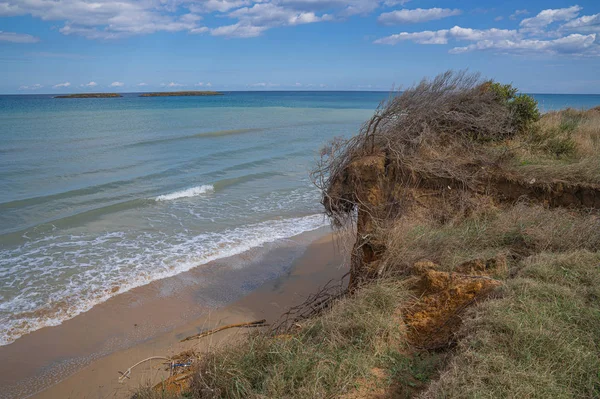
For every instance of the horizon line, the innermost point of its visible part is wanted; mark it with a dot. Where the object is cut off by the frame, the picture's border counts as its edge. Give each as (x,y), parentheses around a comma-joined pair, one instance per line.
(255,91)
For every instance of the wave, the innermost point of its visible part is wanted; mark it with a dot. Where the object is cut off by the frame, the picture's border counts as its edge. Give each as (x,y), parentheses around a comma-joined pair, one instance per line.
(95,208)
(216,133)
(190,192)
(49,305)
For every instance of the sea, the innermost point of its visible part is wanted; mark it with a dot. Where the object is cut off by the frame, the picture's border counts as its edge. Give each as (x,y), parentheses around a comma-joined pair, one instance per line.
(98,196)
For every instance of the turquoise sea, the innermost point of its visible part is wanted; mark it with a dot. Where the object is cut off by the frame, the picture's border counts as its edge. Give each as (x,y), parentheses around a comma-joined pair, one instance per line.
(98,196)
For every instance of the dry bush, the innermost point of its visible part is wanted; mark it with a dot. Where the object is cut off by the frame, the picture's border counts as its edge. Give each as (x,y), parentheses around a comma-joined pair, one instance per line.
(436,129)
(455,128)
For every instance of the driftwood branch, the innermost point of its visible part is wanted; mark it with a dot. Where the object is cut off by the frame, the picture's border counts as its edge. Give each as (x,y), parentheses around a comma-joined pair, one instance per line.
(127,372)
(252,324)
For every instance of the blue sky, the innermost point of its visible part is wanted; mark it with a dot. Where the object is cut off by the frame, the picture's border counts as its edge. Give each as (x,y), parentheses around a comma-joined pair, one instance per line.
(64,46)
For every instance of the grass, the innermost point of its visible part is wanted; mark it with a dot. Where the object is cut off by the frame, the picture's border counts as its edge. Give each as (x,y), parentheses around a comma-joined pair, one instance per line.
(541,340)
(517,231)
(538,337)
(563,145)
(326,357)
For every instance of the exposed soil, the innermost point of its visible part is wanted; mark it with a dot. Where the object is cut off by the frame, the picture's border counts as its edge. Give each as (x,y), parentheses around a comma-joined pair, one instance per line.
(435,316)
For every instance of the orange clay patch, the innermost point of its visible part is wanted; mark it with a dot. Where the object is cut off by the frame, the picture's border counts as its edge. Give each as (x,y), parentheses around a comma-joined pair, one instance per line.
(175,384)
(180,379)
(434,316)
(374,387)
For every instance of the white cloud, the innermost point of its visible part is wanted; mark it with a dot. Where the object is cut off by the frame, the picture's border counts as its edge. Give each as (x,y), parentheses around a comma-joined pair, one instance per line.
(117,84)
(416,15)
(209,84)
(142,84)
(208,6)
(60,85)
(546,17)
(572,44)
(584,24)
(264,85)
(444,35)
(252,21)
(576,36)
(31,87)
(105,19)
(202,29)
(172,84)
(425,37)
(90,84)
(114,19)
(518,13)
(391,3)
(343,8)
(238,30)
(13,37)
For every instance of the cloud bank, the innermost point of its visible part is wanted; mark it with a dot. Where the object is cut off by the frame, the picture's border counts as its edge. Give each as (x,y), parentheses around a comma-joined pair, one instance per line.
(552,32)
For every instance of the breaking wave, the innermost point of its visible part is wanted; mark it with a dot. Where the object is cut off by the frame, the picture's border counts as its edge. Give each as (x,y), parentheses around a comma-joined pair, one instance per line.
(190,192)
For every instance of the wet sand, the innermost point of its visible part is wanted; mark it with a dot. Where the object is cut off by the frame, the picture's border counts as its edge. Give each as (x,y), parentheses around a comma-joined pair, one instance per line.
(81,357)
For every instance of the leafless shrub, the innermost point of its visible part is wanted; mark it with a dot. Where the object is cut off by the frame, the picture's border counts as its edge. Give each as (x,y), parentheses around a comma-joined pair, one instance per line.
(434,130)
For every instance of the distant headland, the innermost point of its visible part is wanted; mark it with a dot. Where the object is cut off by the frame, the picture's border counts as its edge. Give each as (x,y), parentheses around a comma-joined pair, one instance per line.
(181,93)
(90,95)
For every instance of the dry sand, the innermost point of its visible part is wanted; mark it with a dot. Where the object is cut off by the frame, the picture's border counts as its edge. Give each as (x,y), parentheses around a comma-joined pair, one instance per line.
(81,357)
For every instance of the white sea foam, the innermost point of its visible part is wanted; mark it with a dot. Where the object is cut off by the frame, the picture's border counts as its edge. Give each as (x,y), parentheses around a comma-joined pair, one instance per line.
(105,266)
(190,192)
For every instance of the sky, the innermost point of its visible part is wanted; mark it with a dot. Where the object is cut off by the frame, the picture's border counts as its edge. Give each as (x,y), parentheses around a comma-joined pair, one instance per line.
(68,46)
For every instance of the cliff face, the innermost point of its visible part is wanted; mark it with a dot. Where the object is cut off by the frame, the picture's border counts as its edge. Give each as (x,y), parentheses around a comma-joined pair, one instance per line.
(363,184)
(371,184)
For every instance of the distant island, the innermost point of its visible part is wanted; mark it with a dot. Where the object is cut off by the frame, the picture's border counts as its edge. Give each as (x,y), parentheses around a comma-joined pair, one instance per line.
(90,95)
(182,93)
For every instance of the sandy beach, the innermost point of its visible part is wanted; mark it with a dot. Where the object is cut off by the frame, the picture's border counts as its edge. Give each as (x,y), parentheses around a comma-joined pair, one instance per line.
(81,357)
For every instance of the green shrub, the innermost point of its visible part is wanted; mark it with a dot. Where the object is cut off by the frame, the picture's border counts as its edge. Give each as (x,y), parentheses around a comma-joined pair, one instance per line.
(524,108)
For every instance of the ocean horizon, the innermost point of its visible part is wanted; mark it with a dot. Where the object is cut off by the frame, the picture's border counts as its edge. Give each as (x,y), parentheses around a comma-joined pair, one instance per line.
(98,196)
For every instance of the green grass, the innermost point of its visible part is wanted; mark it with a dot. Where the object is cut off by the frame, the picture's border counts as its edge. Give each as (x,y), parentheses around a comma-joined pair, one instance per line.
(562,145)
(540,340)
(515,232)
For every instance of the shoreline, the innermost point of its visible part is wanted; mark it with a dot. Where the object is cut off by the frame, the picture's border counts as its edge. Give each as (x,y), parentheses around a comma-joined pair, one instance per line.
(263,236)
(81,357)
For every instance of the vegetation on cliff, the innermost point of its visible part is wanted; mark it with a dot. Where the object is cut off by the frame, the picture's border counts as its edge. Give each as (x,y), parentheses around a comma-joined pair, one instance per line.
(90,95)
(475,271)
(181,94)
